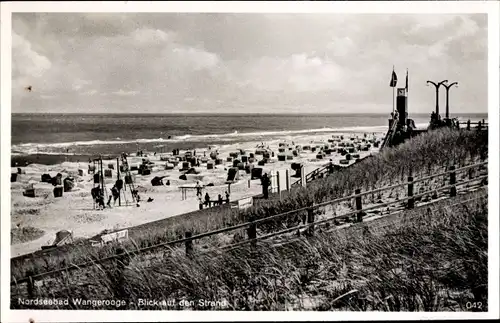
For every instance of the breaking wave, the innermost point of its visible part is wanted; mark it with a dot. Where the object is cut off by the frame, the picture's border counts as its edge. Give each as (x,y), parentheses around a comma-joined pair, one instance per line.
(42,147)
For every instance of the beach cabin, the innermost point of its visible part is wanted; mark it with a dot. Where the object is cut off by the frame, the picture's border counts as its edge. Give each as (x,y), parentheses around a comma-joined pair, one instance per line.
(58,191)
(68,183)
(233,174)
(185,166)
(249,168)
(256,173)
(157,181)
(29,191)
(260,151)
(108,173)
(193,161)
(297,167)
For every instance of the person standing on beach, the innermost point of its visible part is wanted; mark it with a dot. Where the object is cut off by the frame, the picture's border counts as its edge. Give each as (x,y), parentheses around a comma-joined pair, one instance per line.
(265,186)
(220,199)
(198,189)
(227,197)
(200,203)
(207,199)
(115,193)
(109,201)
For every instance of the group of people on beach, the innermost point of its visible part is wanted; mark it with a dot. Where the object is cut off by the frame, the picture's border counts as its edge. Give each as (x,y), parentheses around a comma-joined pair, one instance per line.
(207,201)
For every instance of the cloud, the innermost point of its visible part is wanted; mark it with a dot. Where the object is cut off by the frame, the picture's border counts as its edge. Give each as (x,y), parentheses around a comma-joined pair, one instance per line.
(243,62)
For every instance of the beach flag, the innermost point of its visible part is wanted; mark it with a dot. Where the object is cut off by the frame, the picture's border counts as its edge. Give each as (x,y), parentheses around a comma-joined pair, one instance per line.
(406,87)
(394,79)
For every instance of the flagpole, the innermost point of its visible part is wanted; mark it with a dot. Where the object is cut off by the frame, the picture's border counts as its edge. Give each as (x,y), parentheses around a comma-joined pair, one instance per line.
(407,92)
(393,100)
(392,93)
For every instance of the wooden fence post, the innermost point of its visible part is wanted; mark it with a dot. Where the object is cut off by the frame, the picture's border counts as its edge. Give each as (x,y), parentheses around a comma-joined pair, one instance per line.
(278,182)
(359,206)
(121,263)
(189,244)
(453,181)
(287,180)
(118,178)
(252,233)
(30,284)
(310,219)
(411,202)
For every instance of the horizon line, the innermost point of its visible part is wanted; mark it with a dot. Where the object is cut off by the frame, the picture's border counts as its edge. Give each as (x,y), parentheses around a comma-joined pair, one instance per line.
(233,113)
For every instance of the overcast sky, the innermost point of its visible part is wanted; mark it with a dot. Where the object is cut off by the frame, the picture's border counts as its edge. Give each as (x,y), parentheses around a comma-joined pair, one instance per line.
(236,63)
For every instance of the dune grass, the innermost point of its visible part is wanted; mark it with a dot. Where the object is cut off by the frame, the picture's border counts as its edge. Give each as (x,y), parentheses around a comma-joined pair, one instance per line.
(432,259)
(426,153)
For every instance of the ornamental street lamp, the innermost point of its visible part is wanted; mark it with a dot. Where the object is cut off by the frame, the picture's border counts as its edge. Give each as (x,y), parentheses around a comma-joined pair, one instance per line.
(447,87)
(437,92)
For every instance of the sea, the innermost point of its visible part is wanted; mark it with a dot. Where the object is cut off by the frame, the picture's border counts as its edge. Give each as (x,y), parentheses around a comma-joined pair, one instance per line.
(53,138)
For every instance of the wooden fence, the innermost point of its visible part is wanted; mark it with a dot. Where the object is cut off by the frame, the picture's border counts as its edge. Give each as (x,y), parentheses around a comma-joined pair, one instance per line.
(323,170)
(310,225)
(468,125)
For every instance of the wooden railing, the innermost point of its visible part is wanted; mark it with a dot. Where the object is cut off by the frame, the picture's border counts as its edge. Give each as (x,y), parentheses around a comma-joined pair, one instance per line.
(251,226)
(325,169)
(479,125)
(389,134)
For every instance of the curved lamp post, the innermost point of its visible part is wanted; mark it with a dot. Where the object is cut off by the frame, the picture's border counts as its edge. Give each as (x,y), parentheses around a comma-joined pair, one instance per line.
(447,87)
(437,92)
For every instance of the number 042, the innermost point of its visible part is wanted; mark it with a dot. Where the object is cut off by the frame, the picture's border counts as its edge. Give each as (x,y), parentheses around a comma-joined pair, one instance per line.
(471,305)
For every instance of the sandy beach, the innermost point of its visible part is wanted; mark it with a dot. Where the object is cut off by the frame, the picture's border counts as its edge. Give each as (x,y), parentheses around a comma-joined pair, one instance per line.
(75,211)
